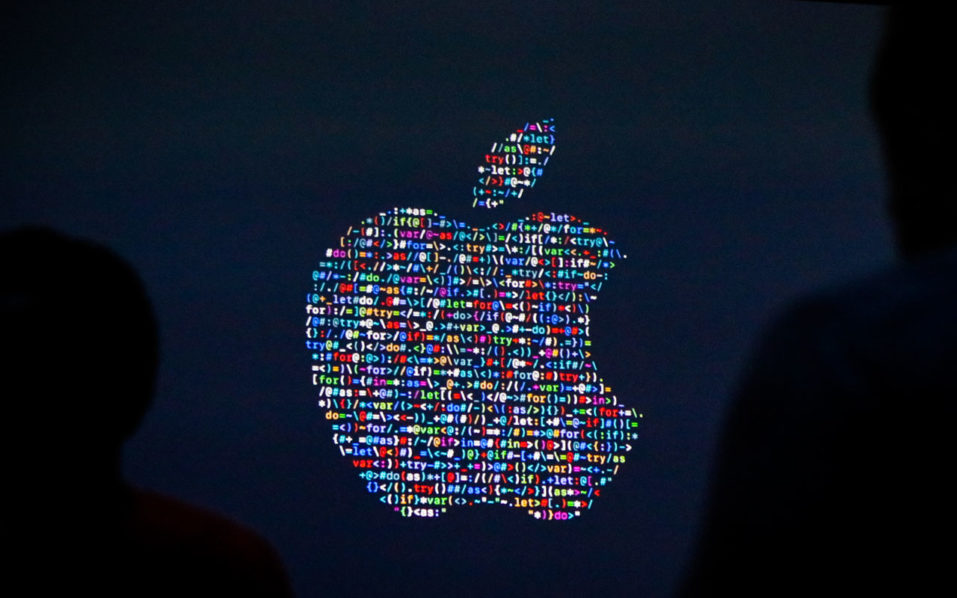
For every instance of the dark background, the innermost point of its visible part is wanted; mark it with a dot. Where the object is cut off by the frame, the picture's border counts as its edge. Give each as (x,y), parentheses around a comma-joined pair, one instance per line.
(222,146)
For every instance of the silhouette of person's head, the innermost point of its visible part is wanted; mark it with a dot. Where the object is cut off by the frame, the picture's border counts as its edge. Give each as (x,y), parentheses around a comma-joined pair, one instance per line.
(80,354)
(79,360)
(915,105)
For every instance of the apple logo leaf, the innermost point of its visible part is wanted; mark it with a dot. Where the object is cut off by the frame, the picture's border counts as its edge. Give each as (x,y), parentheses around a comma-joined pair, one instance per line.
(513,165)
(454,363)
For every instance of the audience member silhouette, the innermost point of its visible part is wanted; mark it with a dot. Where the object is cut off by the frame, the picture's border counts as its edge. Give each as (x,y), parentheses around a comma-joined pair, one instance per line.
(832,476)
(79,359)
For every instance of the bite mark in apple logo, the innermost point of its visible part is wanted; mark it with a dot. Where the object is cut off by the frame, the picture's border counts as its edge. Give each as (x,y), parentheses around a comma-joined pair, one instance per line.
(454,363)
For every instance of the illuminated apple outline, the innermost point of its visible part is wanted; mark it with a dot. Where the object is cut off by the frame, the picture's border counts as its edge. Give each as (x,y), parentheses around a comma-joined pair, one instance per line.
(437,404)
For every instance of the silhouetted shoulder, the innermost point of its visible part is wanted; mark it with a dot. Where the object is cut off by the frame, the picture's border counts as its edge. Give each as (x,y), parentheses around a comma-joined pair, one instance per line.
(185,549)
(831,460)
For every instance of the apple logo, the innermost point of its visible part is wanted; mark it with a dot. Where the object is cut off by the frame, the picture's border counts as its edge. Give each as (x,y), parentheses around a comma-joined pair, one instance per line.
(454,363)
